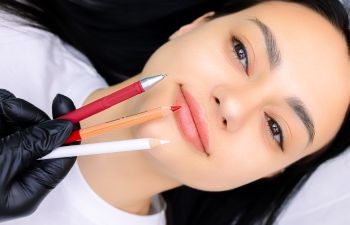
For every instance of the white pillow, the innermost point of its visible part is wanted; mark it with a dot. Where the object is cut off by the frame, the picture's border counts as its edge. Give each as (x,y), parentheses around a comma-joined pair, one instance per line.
(325,198)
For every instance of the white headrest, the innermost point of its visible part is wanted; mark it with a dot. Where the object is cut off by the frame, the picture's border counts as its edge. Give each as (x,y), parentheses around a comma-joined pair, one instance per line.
(325,197)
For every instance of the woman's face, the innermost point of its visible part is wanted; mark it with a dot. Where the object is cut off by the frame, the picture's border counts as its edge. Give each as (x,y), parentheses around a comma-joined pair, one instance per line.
(259,90)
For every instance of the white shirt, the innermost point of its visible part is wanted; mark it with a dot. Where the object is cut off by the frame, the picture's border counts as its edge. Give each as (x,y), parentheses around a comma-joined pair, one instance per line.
(35,65)
(74,202)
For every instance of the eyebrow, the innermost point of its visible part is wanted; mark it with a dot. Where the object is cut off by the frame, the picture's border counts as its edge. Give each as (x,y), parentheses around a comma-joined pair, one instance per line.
(298,107)
(274,56)
(273,51)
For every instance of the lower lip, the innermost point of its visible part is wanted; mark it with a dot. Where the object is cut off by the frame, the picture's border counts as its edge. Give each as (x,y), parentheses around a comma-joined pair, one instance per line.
(188,119)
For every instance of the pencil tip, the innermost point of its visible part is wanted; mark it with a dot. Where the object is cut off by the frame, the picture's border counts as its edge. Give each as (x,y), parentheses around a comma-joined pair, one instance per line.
(164,142)
(175,107)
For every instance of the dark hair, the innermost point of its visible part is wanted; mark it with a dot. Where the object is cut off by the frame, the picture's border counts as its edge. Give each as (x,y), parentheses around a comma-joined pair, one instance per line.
(110,33)
(259,202)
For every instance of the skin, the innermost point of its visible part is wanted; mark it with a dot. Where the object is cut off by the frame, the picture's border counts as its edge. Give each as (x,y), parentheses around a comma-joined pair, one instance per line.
(200,56)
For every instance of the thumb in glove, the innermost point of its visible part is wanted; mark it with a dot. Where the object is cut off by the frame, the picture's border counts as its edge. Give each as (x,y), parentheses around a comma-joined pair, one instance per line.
(57,169)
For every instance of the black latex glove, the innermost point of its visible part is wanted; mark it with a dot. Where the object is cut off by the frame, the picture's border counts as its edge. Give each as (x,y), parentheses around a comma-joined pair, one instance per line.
(26,134)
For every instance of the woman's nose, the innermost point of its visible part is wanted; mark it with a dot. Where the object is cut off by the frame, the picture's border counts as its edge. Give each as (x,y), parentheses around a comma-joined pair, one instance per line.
(236,106)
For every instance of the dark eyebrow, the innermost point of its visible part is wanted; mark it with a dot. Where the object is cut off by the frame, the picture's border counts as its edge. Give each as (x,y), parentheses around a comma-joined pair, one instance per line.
(274,56)
(270,41)
(298,107)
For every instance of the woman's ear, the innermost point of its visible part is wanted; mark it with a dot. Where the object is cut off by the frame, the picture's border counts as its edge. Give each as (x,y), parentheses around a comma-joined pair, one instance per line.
(188,27)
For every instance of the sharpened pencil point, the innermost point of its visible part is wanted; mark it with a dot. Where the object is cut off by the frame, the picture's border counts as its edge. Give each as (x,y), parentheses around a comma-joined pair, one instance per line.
(149,82)
(164,142)
(175,107)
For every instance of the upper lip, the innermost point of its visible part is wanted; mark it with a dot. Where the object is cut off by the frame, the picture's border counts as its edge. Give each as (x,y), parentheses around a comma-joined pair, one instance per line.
(199,120)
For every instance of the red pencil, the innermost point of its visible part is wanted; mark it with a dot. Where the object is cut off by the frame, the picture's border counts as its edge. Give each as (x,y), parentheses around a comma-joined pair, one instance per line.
(112,99)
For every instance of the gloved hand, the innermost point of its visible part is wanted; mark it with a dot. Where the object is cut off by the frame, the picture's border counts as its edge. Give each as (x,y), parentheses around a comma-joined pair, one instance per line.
(26,134)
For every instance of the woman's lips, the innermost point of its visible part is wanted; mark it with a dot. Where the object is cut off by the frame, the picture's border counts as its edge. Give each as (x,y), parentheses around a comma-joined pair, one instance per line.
(191,121)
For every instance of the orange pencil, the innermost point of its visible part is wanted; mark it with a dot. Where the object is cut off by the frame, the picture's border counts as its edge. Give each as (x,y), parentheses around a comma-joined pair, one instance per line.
(120,123)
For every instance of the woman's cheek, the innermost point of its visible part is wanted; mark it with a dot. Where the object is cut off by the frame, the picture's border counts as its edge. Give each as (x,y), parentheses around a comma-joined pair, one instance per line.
(240,157)
(186,60)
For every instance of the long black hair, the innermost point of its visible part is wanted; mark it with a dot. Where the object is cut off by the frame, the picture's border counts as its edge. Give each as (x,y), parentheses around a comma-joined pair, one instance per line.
(259,202)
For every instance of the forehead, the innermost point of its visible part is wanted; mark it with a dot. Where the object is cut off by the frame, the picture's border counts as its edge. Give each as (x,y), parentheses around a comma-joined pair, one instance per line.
(315,61)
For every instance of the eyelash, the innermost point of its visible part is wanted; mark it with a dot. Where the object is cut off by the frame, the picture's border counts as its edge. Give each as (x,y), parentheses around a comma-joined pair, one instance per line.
(275,131)
(240,51)
(241,55)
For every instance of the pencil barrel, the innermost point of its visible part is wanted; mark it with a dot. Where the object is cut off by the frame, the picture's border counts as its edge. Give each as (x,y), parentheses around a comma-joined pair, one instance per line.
(122,123)
(99,148)
(103,103)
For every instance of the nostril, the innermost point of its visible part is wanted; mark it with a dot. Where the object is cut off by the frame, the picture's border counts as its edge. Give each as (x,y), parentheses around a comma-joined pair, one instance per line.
(224,121)
(217,100)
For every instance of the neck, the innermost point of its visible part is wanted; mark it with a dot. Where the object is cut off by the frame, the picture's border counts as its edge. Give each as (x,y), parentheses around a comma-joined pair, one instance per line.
(126,180)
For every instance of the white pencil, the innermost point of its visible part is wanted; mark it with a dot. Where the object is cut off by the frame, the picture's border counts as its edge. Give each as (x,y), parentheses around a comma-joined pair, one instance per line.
(104,147)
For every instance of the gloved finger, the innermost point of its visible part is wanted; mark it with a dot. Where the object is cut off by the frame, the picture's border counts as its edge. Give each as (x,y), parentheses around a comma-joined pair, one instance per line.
(19,111)
(62,105)
(16,114)
(46,174)
(4,128)
(36,182)
(20,149)
(5,94)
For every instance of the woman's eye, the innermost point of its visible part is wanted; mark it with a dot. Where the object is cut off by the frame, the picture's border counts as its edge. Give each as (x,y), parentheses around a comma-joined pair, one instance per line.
(275,130)
(240,52)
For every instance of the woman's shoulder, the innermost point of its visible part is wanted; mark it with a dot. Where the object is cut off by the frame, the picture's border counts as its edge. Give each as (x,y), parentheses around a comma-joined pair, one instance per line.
(36,65)
(14,29)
